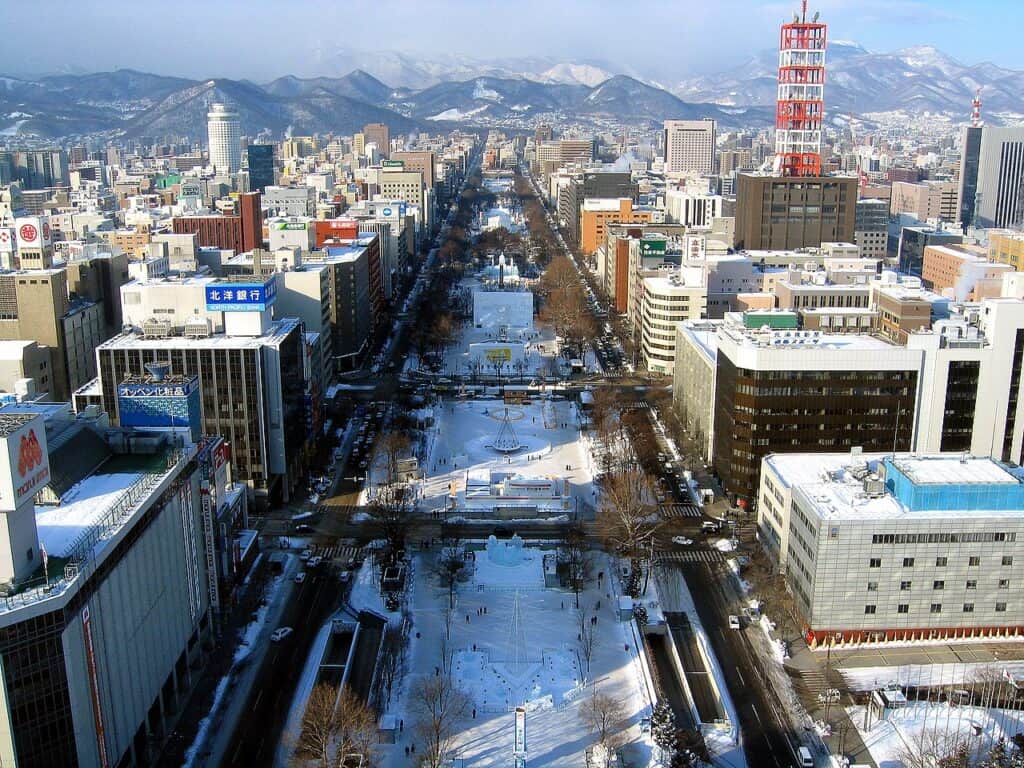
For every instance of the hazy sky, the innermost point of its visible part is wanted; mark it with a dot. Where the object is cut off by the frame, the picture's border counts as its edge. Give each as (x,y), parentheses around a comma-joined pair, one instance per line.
(670,39)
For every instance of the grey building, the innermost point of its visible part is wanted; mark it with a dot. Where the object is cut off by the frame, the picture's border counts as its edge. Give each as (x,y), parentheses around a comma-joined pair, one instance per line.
(592,184)
(913,241)
(998,199)
(871,228)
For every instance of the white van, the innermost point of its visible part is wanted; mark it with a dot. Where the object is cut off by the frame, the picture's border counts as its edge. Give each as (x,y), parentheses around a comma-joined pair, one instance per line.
(806,761)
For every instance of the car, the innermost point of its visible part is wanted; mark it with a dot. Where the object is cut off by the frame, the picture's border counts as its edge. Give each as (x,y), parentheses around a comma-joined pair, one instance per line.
(299,577)
(734,621)
(280,634)
(305,555)
(314,562)
(682,541)
(303,528)
(709,527)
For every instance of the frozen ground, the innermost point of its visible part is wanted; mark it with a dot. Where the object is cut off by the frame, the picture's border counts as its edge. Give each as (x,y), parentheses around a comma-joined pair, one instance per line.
(924,723)
(523,651)
(871,678)
(463,430)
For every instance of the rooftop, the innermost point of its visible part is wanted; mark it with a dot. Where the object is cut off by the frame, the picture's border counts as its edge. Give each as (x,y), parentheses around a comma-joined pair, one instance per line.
(277,331)
(12,422)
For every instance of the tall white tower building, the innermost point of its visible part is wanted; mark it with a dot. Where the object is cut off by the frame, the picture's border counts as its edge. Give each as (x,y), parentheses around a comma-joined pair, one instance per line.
(225,139)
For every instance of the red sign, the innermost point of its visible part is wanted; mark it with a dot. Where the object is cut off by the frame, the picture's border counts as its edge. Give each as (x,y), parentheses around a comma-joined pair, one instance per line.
(742,504)
(28,233)
(30,454)
(335,229)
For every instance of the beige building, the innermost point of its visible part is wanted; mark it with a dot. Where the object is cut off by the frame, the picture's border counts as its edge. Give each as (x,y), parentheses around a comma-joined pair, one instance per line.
(690,146)
(24,369)
(961,274)
(693,381)
(926,200)
(666,302)
(1006,247)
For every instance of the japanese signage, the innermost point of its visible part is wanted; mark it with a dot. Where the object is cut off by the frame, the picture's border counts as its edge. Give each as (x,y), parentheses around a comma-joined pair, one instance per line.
(28,466)
(211,555)
(498,354)
(94,689)
(393,164)
(158,389)
(652,247)
(240,297)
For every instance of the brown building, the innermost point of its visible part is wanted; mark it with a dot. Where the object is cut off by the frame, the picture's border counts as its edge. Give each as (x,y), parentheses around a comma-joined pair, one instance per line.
(423,161)
(240,232)
(901,310)
(379,134)
(783,213)
(130,241)
(100,279)
(789,392)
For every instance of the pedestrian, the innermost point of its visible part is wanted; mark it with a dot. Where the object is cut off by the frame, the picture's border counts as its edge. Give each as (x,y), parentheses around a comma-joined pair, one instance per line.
(563,605)
(401,725)
(474,713)
(413,749)
(407,751)
(467,618)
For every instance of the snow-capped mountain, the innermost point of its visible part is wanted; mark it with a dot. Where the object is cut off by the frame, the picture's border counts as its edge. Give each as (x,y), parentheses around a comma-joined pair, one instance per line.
(573,74)
(917,79)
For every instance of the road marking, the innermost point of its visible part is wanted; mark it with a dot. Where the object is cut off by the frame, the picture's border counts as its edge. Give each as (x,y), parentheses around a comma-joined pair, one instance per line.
(257,702)
(754,710)
(740,674)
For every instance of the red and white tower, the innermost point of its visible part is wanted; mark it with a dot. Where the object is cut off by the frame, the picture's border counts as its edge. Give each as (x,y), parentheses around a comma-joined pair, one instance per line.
(976,110)
(801,104)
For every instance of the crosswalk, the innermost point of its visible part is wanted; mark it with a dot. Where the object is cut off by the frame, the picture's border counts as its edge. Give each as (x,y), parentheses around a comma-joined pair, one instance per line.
(813,680)
(340,552)
(673,511)
(692,556)
(636,405)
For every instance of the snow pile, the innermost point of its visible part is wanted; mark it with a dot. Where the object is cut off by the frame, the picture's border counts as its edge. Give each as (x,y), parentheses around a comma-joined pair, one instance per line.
(509,565)
(907,728)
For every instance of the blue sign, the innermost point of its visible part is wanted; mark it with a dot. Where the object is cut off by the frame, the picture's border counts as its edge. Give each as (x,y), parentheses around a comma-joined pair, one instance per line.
(386,212)
(240,297)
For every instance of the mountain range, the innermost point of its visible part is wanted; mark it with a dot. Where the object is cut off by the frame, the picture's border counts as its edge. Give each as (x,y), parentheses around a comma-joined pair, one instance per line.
(511,93)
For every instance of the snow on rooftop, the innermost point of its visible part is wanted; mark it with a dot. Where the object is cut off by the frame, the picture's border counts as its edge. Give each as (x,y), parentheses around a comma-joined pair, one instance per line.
(81,507)
(954,470)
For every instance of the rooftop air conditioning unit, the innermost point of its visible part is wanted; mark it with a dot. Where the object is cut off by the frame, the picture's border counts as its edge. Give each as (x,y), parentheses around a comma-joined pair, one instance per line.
(156,328)
(198,328)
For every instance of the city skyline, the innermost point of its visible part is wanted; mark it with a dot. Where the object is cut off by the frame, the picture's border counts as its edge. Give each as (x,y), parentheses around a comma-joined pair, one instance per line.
(677,42)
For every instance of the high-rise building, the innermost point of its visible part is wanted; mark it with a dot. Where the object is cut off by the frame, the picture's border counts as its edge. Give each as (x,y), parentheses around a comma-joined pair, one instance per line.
(379,134)
(261,166)
(871,228)
(224,133)
(690,146)
(998,186)
(789,212)
(240,232)
(801,94)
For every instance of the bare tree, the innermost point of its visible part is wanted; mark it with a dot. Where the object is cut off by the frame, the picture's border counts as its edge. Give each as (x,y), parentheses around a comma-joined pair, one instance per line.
(334,724)
(576,559)
(392,507)
(627,520)
(933,748)
(392,664)
(450,562)
(438,706)
(391,449)
(560,274)
(605,717)
(587,637)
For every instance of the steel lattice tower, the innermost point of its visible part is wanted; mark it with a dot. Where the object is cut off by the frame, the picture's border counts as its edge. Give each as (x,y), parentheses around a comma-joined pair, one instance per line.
(801,106)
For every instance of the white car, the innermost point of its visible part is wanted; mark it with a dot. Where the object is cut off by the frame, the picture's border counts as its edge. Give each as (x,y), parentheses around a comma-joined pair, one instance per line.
(734,621)
(305,555)
(682,541)
(313,562)
(300,577)
(280,634)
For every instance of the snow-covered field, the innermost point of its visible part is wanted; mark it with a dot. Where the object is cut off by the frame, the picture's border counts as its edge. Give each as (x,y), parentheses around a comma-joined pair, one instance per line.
(923,724)
(464,430)
(522,651)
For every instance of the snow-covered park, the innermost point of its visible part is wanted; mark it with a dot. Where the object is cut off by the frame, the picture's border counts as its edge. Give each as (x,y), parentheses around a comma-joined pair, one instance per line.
(509,641)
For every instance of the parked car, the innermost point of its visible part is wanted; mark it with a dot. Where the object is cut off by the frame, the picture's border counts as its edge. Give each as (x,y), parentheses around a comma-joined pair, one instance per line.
(280,634)
(300,577)
(734,621)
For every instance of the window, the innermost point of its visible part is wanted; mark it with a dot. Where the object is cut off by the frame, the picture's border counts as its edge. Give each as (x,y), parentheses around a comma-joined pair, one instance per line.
(938,584)
(1007,560)
(972,584)
(940,562)
(872,586)
(875,562)
(1000,607)
(903,608)
(974,560)
(905,586)
(869,609)
(1004,583)
(936,608)
(968,607)
(908,562)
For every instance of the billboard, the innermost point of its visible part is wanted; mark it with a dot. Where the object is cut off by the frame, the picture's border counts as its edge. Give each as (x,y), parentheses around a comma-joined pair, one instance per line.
(650,247)
(32,231)
(498,355)
(297,226)
(393,164)
(161,405)
(6,239)
(241,297)
(28,466)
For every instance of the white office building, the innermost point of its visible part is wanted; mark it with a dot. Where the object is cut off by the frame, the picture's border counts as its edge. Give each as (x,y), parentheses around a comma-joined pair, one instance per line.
(902,547)
(690,146)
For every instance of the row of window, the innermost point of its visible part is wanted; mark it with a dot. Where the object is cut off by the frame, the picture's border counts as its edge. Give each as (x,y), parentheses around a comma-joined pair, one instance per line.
(942,538)
(905,586)
(934,608)
(942,562)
